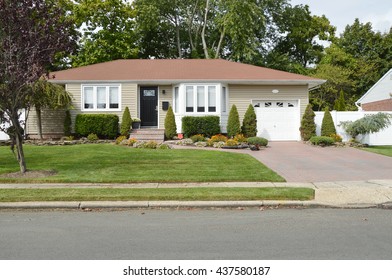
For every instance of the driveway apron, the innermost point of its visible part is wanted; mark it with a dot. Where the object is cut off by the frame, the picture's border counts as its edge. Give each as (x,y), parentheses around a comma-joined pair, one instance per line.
(299,162)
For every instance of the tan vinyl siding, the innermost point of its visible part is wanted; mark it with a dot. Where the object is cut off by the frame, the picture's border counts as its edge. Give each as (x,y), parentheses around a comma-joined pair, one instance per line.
(168,96)
(128,98)
(242,95)
(52,123)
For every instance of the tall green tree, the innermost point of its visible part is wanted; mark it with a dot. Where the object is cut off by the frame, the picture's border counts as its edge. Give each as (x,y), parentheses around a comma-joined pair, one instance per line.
(31,33)
(108,31)
(340,103)
(298,44)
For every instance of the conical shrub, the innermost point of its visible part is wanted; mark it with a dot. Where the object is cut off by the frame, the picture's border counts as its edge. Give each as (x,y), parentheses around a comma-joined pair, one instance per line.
(126,123)
(249,124)
(327,126)
(233,124)
(308,126)
(170,124)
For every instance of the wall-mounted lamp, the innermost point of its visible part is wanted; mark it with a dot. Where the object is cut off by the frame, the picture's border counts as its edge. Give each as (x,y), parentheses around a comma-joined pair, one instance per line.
(275,91)
(390,94)
(163,91)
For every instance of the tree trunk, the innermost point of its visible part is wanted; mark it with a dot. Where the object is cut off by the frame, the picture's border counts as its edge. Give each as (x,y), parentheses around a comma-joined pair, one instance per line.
(18,137)
(39,122)
(203,32)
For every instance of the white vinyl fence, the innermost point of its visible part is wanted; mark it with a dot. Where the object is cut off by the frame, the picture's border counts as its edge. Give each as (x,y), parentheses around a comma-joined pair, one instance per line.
(4,136)
(383,137)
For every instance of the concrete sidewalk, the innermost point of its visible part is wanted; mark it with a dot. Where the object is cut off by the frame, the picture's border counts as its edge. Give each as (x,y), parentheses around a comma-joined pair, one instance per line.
(340,194)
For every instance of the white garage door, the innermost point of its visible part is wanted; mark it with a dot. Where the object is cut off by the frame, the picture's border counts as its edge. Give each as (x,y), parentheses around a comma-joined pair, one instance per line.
(278,120)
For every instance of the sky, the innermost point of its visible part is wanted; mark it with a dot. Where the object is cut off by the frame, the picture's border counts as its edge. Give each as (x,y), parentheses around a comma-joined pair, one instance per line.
(343,12)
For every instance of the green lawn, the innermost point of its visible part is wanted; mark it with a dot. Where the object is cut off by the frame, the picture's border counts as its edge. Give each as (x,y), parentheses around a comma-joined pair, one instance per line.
(106,163)
(183,194)
(383,150)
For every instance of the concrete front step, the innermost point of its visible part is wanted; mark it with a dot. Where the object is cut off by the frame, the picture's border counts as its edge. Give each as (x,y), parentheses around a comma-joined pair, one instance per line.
(148,134)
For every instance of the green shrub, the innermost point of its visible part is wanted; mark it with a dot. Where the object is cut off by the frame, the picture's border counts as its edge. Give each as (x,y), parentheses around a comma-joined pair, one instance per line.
(233,123)
(120,138)
(249,124)
(103,125)
(67,123)
(126,123)
(208,125)
(92,137)
(170,124)
(257,141)
(308,126)
(198,138)
(327,126)
(322,141)
(163,147)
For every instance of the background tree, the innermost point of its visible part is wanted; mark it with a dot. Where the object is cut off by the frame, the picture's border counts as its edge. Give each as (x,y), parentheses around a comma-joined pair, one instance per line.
(108,31)
(249,123)
(233,123)
(31,33)
(308,126)
(327,125)
(340,103)
(126,122)
(170,124)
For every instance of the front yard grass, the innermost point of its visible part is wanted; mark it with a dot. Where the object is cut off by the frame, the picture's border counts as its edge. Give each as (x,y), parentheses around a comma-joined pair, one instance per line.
(178,194)
(383,150)
(106,163)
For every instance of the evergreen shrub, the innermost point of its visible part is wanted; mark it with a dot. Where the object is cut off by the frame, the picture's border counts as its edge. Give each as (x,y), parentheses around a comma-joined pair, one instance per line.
(103,125)
(170,124)
(308,126)
(126,123)
(249,124)
(322,141)
(327,126)
(233,123)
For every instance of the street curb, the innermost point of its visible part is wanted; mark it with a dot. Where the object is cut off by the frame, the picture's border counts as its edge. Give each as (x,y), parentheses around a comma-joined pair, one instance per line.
(181,204)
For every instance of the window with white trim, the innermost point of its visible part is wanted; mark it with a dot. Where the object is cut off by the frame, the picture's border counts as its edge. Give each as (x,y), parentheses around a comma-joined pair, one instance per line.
(189,99)
(101,98)
(176,100)
(200,98)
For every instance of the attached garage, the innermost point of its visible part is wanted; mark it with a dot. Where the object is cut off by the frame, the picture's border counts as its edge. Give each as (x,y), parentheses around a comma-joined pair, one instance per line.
(278,120)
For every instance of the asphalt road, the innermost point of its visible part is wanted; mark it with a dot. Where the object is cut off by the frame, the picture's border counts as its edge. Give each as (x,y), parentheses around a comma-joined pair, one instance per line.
(197,234)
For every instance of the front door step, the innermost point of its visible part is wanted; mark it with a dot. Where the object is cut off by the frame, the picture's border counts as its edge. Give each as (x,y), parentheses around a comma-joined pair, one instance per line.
(148,134)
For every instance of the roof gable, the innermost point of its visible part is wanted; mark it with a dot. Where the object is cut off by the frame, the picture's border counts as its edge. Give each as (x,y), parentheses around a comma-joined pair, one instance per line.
(379,91)
(177,70)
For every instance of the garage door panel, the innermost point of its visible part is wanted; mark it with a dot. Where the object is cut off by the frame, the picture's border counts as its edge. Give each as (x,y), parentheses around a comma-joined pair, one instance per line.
(278,123)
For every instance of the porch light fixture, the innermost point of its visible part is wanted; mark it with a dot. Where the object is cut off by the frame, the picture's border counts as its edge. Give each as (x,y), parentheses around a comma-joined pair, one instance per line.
(163,91)
(275,91)
(390,94)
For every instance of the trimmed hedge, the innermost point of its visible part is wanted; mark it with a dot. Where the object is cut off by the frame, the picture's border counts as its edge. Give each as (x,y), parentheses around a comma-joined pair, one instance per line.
(208,125)
(260,141)
(322,141)
(103,125)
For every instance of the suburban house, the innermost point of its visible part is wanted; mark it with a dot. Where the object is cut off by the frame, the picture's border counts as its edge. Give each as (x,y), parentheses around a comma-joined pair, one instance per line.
(193,87)
(379,96)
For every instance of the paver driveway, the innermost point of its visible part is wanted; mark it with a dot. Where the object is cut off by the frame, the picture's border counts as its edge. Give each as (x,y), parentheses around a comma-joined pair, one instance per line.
(299,162)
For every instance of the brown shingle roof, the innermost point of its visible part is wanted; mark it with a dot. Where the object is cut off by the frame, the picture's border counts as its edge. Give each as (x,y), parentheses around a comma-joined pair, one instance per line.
(177,70)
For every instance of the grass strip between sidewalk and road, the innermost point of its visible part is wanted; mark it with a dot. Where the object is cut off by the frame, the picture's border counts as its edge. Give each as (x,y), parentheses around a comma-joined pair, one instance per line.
(158,194)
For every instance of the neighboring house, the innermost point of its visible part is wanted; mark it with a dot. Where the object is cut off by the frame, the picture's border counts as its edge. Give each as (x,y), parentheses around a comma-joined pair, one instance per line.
(193,87)
(379,96)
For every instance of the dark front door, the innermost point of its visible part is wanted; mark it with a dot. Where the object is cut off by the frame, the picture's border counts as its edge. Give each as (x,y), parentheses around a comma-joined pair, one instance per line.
(149,106)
